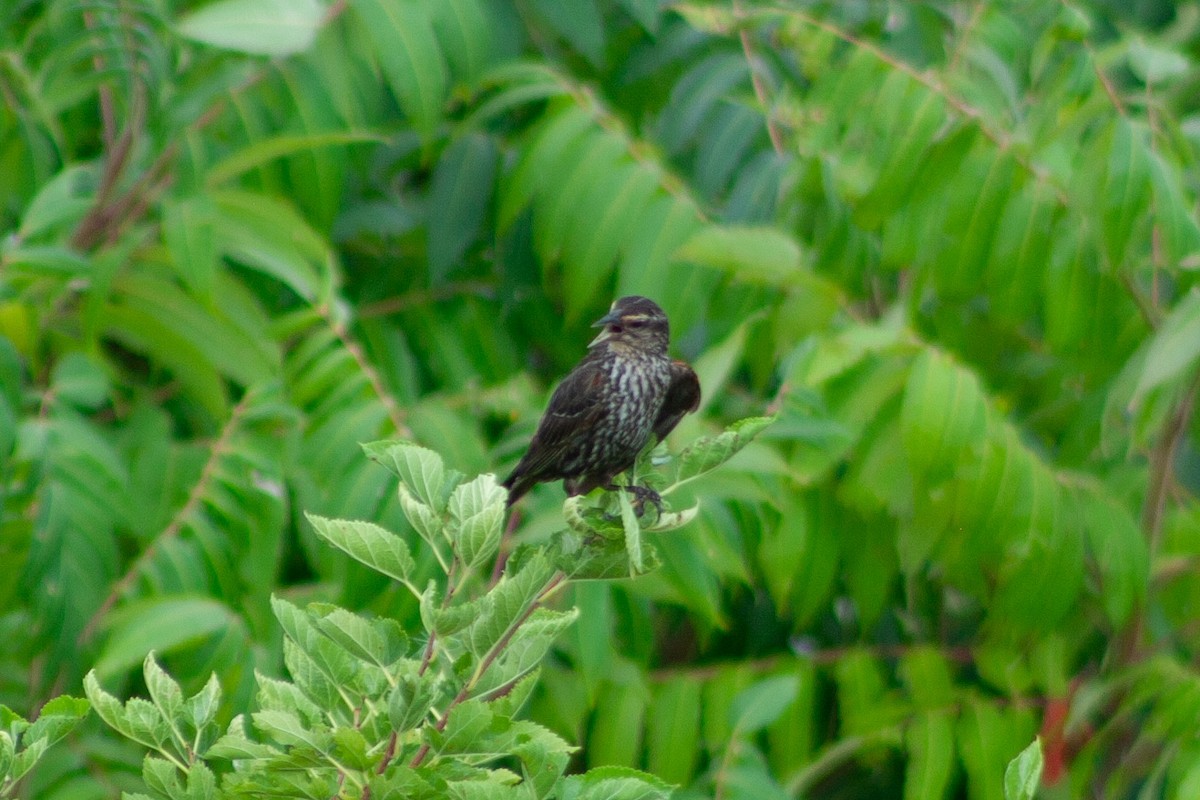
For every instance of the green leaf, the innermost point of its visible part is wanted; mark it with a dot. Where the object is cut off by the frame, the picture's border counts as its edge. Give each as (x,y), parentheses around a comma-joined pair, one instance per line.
(202,707)
(715,365)
(379,641)
(466,726)
(759,705)
(1126,193)
(268,235)
(984,735)
(673,730)
(161,624)
(287,729)
(581,24)
(554,136)
(1024,773)
(589,556)
(463,183)
(927,675)
(615,736)
(615,783)
(190,233)
(1174,350)
(264,151)
(633,534)
(477,519)
(62,200)
(1120,553)
(79,380)
(411,699)
(754,255)
(323,654)
(506,603)
(403,39)
(419,468)
(1153,62)
(165,693)
(7,753)
(136,719)
(381,550)
(424,520)
(257,27)
(929,741)
(525,649)
(645,267)
(464,27)
(1180,230)
(944,416)
(709,452)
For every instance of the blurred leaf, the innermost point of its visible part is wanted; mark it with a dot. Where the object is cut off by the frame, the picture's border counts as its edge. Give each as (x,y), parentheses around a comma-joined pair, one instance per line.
(162,625)
(755,255)
(1174,350)
(759,705)
(188,229)
(59,201)
(672,731)
(581,24)
(403,39)
(80,381)
(1153,62)
(266,150)
(930,744)
(463,183)
(258,27)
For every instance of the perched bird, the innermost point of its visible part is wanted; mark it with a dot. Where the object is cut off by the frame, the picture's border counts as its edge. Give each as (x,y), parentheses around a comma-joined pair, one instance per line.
(603,413)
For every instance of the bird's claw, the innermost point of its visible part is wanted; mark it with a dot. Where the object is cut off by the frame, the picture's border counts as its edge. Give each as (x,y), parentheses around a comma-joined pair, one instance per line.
(641,495)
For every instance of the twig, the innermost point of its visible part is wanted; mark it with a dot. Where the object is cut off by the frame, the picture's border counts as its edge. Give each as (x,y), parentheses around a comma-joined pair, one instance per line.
(760,85)
(965,35)
(488,659)
(420,297)
(394,412)
(1162,461)
(108,120)
(1145,304)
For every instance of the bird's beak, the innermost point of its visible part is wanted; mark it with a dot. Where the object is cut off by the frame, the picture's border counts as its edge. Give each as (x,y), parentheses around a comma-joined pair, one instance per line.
(608,319)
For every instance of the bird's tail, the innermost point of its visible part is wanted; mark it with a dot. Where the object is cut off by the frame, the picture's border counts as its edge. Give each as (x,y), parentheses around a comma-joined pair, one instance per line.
(517,486)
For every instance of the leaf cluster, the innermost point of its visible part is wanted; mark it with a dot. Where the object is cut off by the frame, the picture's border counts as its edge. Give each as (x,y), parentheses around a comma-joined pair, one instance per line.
(370,711)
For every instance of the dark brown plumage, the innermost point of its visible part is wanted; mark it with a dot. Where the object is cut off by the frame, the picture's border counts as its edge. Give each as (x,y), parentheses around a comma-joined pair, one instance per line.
(604,412)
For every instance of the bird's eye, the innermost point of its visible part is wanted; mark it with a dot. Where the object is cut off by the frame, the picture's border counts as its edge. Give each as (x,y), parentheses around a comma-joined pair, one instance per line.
(617,328)
(637,323)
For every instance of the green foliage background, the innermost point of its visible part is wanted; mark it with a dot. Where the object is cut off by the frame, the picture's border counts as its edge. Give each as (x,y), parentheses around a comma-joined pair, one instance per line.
(953,245)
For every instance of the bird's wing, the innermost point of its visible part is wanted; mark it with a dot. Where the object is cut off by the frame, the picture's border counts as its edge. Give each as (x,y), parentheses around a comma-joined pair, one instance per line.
(572,410)
(683,397)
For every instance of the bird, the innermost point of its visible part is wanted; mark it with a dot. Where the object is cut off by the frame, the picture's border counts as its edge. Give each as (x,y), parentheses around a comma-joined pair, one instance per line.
(605,410)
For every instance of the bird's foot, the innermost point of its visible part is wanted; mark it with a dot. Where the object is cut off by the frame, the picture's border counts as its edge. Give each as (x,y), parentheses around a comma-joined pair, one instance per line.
(642,495)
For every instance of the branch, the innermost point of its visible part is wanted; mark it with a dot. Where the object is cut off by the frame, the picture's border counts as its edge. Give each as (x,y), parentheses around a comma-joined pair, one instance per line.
(394,412)
(1162,461)
(760,86)
(489,658)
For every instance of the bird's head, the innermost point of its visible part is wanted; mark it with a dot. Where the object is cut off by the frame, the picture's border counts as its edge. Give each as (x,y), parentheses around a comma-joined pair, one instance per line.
(635,322)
